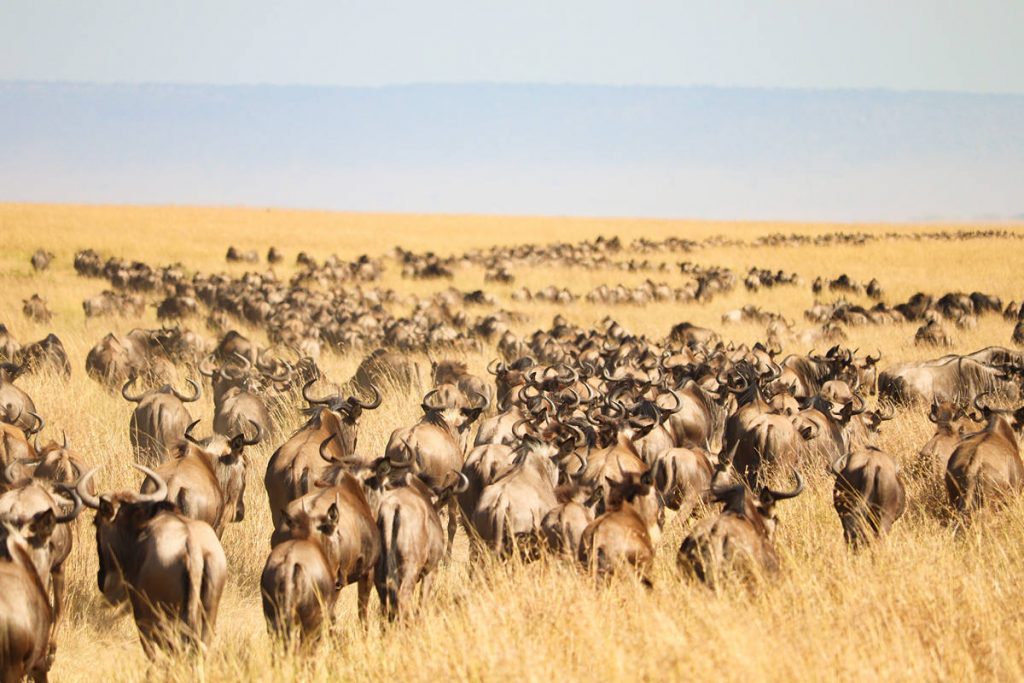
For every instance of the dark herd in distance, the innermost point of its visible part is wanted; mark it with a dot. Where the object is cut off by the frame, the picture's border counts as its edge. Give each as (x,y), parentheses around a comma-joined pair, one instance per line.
(576,442)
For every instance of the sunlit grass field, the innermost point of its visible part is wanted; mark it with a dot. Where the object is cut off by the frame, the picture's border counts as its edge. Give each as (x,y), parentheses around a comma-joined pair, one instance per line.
(926,604)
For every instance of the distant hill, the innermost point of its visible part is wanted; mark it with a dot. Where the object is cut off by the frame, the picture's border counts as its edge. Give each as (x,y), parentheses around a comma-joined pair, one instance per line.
(586,150)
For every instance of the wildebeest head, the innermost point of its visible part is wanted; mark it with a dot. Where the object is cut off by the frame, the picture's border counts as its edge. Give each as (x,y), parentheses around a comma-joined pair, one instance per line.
(120,518)
(758,508)
(346,411)
(10,372)
(229,460)
(454,408)
(165,389)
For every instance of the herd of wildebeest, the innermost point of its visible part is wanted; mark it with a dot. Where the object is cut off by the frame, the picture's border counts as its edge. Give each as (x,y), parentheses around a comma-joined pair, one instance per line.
(576,443)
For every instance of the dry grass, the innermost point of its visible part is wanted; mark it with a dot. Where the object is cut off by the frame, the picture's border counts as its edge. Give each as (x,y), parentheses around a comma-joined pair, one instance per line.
(926,604)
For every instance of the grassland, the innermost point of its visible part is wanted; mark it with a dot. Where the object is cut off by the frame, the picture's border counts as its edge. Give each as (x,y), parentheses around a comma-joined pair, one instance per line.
(926,604)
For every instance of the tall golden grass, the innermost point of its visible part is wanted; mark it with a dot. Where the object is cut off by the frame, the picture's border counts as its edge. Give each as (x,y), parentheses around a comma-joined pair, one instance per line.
(925,604)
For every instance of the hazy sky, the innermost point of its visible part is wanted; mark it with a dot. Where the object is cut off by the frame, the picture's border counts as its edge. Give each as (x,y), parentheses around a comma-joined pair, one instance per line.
(966,45)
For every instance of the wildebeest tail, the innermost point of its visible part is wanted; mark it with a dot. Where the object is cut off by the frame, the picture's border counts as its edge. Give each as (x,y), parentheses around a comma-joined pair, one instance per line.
(195,566)
(389,554)
(501,535)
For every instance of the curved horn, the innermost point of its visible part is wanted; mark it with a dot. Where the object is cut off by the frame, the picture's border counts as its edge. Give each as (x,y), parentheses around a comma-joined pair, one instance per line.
(427,400)
(161,486)
(783,495)
(871,360)
(256,439)
(232,372)
(205,364)
(246,363)
(40,423)
(572,401)
(550,405)
(9,471)
(407,462)
(584,463)
(665,412)
(188,433)
(314,401)
(323,446)
(76,508)
(863,405)
(82,489)
(463,484)
(284,375)
(124,392)
(978,405)
(484,403)
(375,403)
(888,414)
(196,392)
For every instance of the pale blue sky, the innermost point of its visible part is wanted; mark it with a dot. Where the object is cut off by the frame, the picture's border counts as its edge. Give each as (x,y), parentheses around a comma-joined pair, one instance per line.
(967,45)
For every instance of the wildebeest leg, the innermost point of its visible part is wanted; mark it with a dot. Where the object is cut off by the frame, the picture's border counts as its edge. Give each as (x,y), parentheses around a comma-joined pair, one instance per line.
(426,587)
(365,584)
(406,591)
(58,594)
(453,523)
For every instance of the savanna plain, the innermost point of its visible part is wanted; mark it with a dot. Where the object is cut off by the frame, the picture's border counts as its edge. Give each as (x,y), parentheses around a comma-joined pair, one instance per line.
(930,602)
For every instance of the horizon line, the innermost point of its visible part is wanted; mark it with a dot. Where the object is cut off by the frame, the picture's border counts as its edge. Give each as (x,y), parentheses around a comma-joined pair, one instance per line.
(1012,222)
(533,84)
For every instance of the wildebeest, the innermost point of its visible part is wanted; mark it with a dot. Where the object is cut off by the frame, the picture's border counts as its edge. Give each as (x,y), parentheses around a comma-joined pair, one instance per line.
(41,259)
(387,368)
(354,545)
(16,407)
(21,506)
(297,463)
(986,468)
(299,583)
(869,493)
(933,333)
(950,378)
(114,359)
(436,444)
(1017,337)
(762,439)
(510,509)
(563,525)
(455,372)
(108,302)
(158,420)
(26,617)
(171,569)
(412,540)
(618,540)
(682,476)
(740,537)
(46,354)
(238,256)
(238,397)
(35,309)
(936,453)
(144,353)
(9,346)
(206,478)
